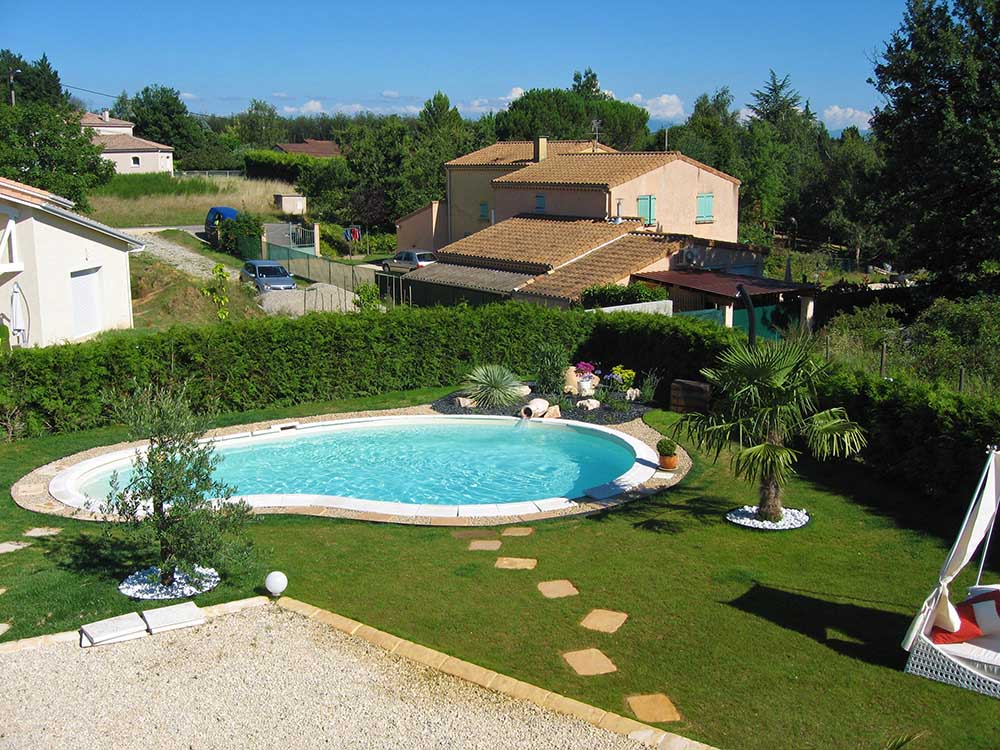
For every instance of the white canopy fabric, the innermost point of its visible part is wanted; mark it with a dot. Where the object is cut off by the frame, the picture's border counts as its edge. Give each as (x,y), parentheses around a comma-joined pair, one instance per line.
(976,527)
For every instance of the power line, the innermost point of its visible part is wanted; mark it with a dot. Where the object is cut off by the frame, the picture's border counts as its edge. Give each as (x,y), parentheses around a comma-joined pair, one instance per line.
(115,96)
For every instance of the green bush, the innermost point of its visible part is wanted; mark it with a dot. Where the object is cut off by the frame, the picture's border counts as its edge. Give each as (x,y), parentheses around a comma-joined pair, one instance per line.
(666,446)
(366,297)
(231,231)
(280,362)
(549,367)
(262,164)
(609,295)
(4,339)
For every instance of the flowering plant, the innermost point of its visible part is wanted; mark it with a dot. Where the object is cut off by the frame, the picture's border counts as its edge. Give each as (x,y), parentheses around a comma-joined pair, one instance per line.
(626,378)
(585,368)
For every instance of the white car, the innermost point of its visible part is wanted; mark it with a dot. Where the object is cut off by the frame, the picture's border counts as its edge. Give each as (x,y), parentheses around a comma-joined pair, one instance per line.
(407,260)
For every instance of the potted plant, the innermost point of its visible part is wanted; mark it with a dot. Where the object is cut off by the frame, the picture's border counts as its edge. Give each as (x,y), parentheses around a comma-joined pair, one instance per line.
(667,449)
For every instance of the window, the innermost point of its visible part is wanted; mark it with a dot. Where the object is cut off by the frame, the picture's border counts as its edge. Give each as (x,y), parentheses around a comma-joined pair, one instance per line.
(705,209)
(539,204)
(484,210)
(647,209)
(135,161)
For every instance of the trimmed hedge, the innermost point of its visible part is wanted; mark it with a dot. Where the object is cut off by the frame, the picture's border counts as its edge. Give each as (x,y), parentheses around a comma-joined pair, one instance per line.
(261,164)
(927,438)
(278,361)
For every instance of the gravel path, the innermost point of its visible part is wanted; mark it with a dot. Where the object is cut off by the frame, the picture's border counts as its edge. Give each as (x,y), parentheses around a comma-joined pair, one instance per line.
(263,678)
(315,298)
(180,257)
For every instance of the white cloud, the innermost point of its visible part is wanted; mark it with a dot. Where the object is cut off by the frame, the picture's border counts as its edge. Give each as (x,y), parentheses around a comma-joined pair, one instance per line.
(483,104)
(662,107)
(515,93)
(189,96)
(390,94)
(280,95)
(745,114)
(311,107)
(836,116)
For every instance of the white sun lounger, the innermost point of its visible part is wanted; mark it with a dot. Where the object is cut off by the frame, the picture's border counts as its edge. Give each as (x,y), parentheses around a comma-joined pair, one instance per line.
(174,617)
(112,630)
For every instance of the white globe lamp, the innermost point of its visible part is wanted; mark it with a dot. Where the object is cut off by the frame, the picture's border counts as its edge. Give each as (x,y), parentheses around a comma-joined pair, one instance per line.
(276,582)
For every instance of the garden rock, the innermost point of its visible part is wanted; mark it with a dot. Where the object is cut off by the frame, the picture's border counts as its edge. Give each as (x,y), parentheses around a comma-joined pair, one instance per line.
(589,404)
(465,403)
(632,394)
(523,391)
(553,412)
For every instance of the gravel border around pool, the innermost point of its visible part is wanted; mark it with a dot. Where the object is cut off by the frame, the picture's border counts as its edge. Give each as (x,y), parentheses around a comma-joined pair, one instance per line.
(285,674)
(32,491)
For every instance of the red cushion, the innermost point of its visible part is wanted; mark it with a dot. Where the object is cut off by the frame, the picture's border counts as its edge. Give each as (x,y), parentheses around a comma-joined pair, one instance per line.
(968,629)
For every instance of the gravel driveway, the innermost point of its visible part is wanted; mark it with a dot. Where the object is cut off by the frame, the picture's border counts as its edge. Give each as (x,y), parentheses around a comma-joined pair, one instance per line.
(178,256)
(263,678)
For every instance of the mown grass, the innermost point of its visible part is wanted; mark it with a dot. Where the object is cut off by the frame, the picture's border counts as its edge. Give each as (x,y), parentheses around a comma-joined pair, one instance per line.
(762,640)
(163,296)
(131,207)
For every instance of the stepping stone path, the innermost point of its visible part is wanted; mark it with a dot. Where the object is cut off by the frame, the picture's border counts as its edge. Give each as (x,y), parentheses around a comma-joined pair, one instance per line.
(590,661)
(516,563)
(42,531)
(653,708)
(3,591)
(604,620)
(517,531)
(557,589)
(12,546)
(487,545)
(4,627)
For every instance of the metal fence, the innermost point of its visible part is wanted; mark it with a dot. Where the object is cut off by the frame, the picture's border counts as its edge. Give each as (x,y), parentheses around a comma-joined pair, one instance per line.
(211,173)
(316,268)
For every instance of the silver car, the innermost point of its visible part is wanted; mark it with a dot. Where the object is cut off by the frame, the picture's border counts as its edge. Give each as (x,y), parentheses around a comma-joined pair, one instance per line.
(407,260)
(267,275)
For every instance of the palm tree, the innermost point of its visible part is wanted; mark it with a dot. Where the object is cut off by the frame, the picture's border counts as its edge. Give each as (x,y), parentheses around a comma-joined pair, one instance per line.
(766,397)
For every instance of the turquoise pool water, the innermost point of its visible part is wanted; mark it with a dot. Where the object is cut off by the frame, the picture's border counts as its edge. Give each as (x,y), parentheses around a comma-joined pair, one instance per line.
(455,462)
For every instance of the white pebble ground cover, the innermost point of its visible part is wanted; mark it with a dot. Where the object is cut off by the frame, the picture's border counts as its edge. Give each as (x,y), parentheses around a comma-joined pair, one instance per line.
(145,584)
(747,516)
(263,678)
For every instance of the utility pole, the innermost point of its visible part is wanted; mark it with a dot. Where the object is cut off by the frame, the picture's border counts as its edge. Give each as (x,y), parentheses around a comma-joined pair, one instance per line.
(10,82)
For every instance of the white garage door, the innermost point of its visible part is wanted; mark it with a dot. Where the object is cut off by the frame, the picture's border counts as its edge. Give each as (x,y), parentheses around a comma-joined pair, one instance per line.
(85,288)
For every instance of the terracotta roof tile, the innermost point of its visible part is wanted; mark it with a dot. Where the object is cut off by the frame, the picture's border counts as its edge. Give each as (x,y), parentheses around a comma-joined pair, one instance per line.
(512,153)
(311,147)
(597,170)
(532,244)
(90,120)
(124,142)
(605,265)
(29,194)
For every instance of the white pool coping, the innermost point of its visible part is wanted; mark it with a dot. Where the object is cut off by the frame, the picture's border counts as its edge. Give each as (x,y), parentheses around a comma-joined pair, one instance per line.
(64,487)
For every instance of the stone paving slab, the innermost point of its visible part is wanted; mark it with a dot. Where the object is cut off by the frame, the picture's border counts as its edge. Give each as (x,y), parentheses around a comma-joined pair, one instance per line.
(517,531)
(557,589)
(604,620)
(12,546)
(2,591)
(656,707)
(589,662)
(42,531)
(516,563)
(4,627)
(484,545)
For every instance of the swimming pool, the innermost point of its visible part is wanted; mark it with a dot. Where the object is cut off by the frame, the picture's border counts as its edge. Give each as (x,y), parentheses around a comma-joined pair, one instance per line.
(412,465)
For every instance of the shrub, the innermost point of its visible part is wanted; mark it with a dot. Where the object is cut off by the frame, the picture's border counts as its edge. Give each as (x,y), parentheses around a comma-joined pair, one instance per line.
(550,363)
(647,388)
(492,386)
(4,339)
(245,226)
(609,295)
(666,447)
(262,164)
(366,297)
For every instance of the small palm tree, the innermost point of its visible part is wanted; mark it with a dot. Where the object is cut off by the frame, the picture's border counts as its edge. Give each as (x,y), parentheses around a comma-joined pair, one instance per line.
(766,397)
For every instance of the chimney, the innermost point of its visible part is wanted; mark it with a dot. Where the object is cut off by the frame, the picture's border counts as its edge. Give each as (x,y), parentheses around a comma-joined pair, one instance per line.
(541,148)
(105,115)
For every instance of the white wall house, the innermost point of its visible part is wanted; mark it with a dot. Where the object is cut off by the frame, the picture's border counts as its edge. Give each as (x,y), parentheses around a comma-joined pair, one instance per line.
(63,277)
(129,154)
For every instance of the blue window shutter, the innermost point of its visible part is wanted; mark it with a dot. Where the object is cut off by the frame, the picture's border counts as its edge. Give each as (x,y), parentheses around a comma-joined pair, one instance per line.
(651,218)
(643,208)
(705,206)
(540,203)
(484,210)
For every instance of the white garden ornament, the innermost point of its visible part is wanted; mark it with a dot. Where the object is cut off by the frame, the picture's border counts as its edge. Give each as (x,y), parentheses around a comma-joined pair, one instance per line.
(276,582)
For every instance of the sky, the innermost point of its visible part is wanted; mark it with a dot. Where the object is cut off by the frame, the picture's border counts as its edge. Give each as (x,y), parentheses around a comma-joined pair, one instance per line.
(389,57)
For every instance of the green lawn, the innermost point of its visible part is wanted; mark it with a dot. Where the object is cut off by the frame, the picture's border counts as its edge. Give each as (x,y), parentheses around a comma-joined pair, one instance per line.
(762,640)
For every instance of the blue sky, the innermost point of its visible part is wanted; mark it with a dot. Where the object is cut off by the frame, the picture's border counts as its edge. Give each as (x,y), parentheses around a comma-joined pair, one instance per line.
(390,56)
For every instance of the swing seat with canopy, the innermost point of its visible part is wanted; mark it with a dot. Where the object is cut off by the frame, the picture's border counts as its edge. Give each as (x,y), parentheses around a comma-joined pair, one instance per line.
(960,644)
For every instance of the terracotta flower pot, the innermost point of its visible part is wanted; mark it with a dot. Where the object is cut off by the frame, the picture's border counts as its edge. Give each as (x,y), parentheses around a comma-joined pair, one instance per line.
(669,463)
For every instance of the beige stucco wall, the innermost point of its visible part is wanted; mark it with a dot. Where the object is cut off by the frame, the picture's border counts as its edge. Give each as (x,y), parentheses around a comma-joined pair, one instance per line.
(558,202)
(112,129)
(467,188)
(676,186)
(149,161)
(427,229)
(731,260)
(52,248)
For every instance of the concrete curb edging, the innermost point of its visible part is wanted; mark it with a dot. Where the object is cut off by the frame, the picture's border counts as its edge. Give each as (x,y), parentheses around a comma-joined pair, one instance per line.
(73,636)
(495,681)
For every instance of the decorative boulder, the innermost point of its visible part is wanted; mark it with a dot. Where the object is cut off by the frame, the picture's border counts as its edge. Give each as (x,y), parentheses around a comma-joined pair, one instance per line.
(570,380)
(465,403)
(523,390)
(632,394)
(553,412)
(589,404)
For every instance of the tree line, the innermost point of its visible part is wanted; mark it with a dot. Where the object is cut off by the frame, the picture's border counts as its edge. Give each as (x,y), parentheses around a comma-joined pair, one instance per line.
(919,188)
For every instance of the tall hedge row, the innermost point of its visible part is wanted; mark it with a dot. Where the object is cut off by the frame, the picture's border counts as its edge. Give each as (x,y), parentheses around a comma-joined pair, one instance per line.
(927,438)
(278,361)
(261,164)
